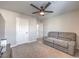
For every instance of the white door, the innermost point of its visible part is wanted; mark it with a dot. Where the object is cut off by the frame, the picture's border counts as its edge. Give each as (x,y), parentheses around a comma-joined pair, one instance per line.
(22,30)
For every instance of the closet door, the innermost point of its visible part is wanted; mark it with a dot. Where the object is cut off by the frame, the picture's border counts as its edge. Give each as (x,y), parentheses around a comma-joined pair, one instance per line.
(22,30)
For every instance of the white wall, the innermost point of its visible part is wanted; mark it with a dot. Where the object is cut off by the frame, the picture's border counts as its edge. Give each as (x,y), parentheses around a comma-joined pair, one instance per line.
(32,29)
(10,24)
(2,28)
(68,22)
(40,29)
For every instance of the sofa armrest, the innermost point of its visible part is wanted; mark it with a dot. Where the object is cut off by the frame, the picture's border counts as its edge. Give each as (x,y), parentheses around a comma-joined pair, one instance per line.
(71,47)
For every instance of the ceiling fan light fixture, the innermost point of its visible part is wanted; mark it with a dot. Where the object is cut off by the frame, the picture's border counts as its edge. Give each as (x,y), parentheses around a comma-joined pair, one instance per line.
(42,10)
(42,13)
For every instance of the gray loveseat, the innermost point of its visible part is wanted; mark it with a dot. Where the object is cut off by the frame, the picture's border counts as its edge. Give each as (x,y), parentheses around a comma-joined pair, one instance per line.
(64,41)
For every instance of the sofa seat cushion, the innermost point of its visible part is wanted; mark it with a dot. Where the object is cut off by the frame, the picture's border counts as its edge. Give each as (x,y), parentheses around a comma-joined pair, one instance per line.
(50,39)
(61,43)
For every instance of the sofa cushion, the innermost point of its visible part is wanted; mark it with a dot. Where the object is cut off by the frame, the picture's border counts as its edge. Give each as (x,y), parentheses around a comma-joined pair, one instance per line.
(67,35)
(53,34)
(61,43)
(50,39)
(66,39)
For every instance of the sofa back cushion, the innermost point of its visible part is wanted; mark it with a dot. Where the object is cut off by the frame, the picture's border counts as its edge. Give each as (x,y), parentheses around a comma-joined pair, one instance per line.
(67,35)
(53,34)
(63,35)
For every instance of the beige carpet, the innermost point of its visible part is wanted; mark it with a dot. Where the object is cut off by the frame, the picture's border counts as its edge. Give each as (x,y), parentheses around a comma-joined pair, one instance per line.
(37,50)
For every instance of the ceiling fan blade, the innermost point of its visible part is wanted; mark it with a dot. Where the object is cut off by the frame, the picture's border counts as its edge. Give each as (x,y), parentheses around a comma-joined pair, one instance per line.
(47,5)
(35,6)
(49,11)
(35,12)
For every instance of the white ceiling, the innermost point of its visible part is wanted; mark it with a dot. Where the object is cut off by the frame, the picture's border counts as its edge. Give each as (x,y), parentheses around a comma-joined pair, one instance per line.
(59,7)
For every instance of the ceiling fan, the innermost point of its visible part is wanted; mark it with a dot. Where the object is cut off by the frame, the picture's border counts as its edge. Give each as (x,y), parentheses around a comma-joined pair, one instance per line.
(42,10)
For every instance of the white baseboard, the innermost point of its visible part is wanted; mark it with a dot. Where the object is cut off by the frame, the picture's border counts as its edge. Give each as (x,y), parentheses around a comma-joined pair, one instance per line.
(22,43)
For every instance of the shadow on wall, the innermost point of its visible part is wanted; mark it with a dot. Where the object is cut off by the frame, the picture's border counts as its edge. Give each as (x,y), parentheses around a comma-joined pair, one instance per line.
(2,27)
